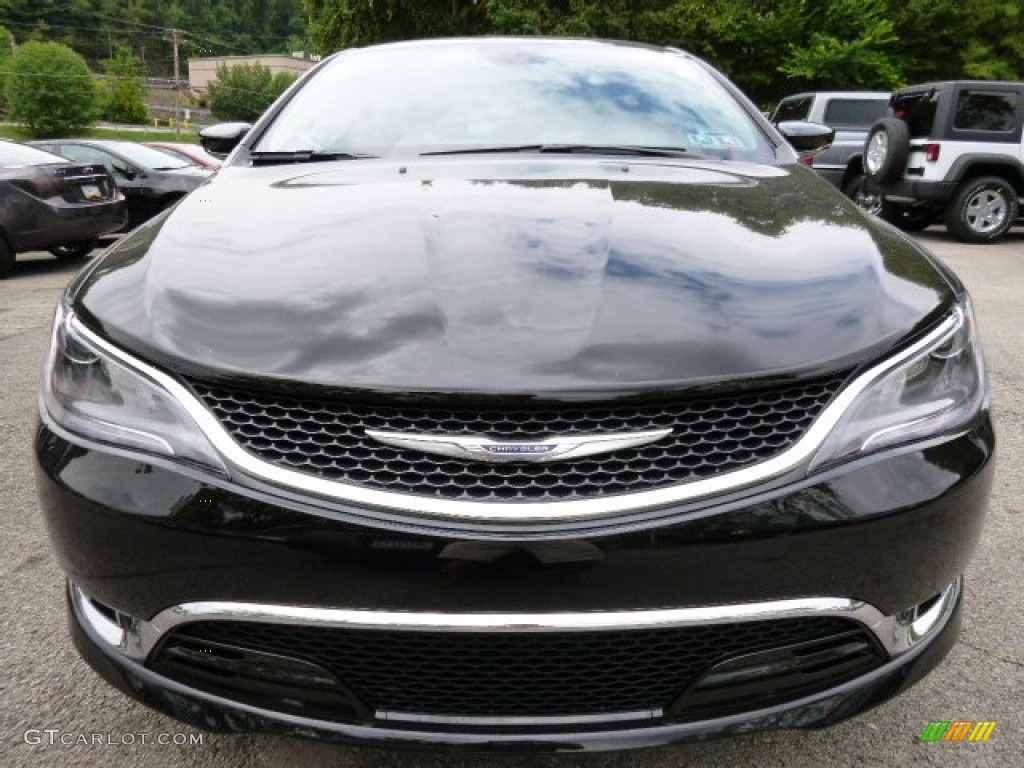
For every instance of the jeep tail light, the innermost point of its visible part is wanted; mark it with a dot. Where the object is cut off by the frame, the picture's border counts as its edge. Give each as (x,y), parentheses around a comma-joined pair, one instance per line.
(931,152)
(900,114)
(807,159)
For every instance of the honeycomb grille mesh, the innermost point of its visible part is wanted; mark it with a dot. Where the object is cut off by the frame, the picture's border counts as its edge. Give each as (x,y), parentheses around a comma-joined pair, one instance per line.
(710,435)
(515,674)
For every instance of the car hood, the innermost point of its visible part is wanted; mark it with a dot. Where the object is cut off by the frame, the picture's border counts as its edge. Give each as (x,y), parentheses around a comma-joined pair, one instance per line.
(512,276)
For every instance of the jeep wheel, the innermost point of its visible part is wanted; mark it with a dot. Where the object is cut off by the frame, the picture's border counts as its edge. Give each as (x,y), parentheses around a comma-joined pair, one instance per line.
(868,201)
(886,150)
(982,210)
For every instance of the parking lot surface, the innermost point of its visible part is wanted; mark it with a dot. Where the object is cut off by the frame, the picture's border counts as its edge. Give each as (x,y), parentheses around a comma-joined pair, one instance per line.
(48,695)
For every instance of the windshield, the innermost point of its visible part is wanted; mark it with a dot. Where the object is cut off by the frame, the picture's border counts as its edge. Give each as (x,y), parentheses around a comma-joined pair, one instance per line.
(147,157)
(493,93)
(12,154)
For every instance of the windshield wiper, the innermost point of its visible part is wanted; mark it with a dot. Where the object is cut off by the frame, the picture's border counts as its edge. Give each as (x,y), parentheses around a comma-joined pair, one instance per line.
(304,156)
(572,149)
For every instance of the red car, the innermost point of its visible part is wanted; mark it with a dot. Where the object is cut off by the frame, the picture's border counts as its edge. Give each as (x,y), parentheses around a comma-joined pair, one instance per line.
(192,153)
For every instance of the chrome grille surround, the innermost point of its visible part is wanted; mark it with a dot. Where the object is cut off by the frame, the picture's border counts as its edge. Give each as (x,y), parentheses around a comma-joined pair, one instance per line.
(337,440)
(246,468)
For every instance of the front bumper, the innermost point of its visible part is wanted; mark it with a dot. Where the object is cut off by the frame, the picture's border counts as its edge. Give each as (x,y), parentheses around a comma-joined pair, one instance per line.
(95,638)
(150,539)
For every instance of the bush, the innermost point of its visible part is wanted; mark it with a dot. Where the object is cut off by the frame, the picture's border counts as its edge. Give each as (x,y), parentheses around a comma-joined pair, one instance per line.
(282,82)
(123,93)
(51,90)
(244,91)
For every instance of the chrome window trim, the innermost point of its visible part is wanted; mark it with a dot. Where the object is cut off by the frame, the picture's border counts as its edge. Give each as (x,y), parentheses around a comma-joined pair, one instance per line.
(136,638)
(240,461)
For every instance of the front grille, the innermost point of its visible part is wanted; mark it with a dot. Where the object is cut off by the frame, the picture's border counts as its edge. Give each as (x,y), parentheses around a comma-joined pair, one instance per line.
(711,435)
(688,673)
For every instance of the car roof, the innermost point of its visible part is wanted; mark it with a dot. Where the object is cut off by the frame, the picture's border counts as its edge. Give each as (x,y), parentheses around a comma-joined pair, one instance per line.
(525,40)
(55,158)
(970,83)
(101,143)
(846,94)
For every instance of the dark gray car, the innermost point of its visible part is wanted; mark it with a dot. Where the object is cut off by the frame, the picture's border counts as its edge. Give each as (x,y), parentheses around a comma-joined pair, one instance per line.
(47,203)
(150,180)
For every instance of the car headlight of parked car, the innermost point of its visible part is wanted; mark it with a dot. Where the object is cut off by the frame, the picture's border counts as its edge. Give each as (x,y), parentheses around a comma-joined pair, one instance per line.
(87,391)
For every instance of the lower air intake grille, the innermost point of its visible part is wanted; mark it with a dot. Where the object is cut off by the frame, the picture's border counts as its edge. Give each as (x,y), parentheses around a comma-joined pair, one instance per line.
(710,435)
(528,674)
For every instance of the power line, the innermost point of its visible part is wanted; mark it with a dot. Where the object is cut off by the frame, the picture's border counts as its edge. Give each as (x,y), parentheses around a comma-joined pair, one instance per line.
(42,24)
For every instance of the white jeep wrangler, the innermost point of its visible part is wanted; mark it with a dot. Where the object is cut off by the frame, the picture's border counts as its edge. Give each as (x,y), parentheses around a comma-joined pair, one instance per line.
(950,149)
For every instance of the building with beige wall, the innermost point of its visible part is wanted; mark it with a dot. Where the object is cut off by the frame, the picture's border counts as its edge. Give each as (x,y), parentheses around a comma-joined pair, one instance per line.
(201,71)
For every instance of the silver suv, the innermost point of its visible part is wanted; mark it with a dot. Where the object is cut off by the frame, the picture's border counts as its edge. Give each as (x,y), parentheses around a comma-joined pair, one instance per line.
(851,114)
(949,150)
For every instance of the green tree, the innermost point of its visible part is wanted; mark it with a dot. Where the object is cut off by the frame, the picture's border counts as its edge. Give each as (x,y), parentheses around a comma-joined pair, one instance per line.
(996,50)
(6,52)
(335,24)
(51,89)
(244,91)
(850,46)
(123,93)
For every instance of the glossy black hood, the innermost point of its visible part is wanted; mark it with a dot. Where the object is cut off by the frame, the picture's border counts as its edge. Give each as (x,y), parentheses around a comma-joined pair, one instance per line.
(512,276)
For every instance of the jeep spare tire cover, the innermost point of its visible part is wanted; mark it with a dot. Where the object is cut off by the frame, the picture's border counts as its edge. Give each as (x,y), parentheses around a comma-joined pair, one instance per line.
(886,150)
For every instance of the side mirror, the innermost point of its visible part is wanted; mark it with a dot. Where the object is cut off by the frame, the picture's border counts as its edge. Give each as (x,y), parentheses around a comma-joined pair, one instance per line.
(220,139)
(127,171)
(806,137)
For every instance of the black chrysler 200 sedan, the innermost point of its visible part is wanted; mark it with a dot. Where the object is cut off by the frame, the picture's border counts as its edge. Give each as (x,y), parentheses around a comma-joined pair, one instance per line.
(511,394)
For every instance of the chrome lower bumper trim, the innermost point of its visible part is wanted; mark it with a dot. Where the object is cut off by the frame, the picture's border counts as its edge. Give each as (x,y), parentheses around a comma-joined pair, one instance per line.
(511,722)
(136,638)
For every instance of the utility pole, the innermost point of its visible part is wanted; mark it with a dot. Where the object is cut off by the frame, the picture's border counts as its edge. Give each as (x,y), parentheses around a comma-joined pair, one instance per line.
(175,40)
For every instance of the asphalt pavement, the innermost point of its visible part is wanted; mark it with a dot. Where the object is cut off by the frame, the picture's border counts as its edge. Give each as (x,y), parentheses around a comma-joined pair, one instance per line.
(54,711)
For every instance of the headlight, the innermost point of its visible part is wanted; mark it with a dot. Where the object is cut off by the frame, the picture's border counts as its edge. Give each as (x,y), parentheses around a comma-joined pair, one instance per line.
(935,391)
(88,392)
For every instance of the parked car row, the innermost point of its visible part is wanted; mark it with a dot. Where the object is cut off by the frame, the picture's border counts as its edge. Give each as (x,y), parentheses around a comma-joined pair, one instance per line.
(62,195)
(949,151)
(150,179)
(48,203)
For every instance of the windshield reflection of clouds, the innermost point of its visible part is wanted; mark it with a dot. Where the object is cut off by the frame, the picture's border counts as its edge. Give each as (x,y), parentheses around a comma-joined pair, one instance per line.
(508,93)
